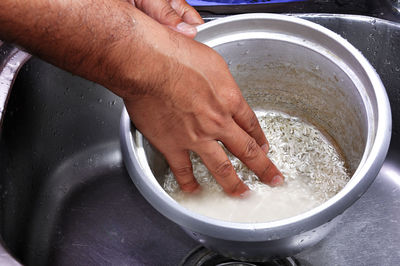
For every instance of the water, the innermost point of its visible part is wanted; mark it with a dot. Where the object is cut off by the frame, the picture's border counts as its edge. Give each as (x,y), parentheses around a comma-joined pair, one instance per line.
(314,172)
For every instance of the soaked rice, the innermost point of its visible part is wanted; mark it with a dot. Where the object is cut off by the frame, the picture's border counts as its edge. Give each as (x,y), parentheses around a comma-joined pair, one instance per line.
(313,169)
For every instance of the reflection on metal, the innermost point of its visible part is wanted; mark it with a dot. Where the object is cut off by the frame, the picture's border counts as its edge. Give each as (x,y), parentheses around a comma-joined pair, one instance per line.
(395,5)
(11,60)
(267,54)
(237,2)
(391,172)
(106,221)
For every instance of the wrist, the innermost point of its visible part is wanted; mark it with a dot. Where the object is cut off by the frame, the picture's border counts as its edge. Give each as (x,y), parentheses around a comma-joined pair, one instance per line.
(157,64)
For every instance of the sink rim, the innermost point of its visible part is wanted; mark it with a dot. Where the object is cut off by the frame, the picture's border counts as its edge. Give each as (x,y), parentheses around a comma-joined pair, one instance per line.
(11,61)
(27,56)
(285,227)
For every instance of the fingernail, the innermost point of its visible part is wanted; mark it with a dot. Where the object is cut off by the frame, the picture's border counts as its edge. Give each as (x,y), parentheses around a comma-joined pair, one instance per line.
(265,148)
(186,28)
(276,181)
(245,194)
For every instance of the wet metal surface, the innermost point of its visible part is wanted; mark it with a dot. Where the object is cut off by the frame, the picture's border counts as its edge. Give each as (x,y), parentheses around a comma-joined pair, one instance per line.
(66,199)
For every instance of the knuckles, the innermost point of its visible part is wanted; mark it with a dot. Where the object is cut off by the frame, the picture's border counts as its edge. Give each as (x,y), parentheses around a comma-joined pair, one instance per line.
(236,99)
(168,12)
(208,126)
(253,123)
(224,169)
(250,151)
(183,171)
(184,177)
(236,189)
(267,174)
(189,186)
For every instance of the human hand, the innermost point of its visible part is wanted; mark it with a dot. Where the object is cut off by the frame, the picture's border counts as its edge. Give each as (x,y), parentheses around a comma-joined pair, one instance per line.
(178,92)
(176,14)
(192,106)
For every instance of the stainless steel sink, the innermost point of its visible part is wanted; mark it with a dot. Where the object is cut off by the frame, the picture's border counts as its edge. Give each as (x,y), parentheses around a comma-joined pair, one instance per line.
(66,198)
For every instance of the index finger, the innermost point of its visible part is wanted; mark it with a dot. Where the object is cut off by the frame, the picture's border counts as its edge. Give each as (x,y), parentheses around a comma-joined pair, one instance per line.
(247,120)
(217,162)
(250,153)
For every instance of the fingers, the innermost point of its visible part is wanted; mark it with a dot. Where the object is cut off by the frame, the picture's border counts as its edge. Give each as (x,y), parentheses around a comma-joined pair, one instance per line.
(248,121)
(217,162)
(181,167)
(164,13)
(250,153)
(186,12)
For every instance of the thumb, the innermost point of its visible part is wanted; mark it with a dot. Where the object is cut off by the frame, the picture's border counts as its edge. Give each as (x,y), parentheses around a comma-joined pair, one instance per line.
(162,11)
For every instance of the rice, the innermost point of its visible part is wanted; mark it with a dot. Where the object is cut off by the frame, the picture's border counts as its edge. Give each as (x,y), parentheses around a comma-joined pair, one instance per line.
(313,168)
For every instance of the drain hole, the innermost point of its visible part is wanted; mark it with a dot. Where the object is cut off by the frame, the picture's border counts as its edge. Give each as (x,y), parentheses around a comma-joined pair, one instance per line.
(201,256)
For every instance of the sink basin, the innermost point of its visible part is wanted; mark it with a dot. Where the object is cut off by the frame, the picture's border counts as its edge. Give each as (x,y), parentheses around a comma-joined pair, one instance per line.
(66,198)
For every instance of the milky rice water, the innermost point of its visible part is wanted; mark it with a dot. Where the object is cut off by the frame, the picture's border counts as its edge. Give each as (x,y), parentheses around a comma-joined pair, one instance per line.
(314,171)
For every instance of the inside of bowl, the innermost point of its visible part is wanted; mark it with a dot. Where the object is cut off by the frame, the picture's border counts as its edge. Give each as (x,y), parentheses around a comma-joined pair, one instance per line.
(288,77)
(298,80)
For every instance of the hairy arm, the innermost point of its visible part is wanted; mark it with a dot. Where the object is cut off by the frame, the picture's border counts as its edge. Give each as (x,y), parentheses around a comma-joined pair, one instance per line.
(178,92)
(97,39)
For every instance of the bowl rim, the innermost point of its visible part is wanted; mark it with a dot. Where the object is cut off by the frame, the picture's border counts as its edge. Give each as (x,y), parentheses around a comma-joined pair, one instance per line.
(363,177)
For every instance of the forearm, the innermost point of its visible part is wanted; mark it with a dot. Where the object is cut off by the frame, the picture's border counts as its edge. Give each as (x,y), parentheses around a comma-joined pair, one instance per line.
(106,41)
(172,86)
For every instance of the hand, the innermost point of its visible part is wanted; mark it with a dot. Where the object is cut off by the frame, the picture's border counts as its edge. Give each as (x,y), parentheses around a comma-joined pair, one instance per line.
(176,14)
(196,104)
(178,92)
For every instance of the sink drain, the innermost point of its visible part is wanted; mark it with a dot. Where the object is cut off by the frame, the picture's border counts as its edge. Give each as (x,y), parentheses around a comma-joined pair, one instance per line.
(201,256)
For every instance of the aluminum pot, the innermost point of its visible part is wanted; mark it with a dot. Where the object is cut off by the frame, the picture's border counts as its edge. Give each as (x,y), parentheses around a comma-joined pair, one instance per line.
(292,65)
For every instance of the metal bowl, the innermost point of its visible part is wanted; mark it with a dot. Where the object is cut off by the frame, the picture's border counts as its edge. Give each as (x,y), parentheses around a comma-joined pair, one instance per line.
(296,66)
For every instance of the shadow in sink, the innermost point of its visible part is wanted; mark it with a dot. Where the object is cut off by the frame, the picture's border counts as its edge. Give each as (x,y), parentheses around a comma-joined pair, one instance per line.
(104,220)
(67,200)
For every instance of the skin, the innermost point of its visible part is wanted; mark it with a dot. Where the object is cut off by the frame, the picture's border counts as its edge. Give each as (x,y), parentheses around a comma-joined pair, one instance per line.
(179,93)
